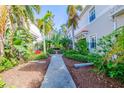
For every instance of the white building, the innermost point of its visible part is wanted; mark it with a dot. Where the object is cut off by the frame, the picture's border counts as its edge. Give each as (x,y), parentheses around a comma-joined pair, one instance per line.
(97,21)
(35,31)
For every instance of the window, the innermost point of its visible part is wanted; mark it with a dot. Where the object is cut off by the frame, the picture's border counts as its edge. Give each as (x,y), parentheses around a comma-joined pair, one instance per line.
(92,42)
(92,14)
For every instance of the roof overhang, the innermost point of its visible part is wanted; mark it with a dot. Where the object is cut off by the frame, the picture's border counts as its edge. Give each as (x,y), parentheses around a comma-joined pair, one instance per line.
(85,9)
(117,10)
(82,32)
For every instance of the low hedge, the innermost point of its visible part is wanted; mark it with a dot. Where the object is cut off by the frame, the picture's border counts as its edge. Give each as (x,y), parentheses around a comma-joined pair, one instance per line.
(50,51)
(72,54)
(40,56)
(77,57)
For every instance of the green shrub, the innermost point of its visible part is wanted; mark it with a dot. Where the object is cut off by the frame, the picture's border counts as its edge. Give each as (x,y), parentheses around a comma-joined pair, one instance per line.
(41,56)
(97,60)
(2,68)
(78,57)
(2,83)
(111,48)
(115,70)
(81,46)
(28,55)
(72,54)
(106,43)
(65,42)
(21,44)
(14,62)
(6,64)
(17,42)
(62,50)
(50,51)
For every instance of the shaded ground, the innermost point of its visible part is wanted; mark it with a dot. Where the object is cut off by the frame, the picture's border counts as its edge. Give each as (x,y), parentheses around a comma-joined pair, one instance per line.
(85,77)
(27,75)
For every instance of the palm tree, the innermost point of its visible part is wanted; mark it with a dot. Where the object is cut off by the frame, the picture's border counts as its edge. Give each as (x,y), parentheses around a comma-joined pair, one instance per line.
(56,39)
(46,25)
(3,19)
(64,29)
(72,11)
(18,16)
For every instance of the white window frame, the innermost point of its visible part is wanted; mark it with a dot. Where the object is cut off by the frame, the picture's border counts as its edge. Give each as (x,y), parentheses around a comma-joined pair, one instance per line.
(90,14)
(91,36)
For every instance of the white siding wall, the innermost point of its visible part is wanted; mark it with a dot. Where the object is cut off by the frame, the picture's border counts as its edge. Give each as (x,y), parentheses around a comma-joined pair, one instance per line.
(103,23)
(101,26)
(120,20)
(84,21)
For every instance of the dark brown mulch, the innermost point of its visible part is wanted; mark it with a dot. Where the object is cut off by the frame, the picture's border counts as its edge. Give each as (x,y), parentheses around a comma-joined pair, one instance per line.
(85,77)
(27,75)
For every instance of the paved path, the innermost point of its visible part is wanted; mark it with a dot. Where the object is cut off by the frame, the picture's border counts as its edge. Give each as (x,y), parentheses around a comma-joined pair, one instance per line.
(57,75)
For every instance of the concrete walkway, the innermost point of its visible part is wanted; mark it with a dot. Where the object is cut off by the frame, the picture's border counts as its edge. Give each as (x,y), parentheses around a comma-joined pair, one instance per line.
(57,75)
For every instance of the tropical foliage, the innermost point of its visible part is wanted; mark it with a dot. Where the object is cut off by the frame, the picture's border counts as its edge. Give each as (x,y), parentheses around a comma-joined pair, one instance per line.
(111,48)
(64,30)
(19,16)
(66,43)
(15,35)
(2,83)
(56,40)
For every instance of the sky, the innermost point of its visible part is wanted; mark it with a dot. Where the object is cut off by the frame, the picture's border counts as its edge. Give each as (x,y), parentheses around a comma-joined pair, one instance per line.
(59,11)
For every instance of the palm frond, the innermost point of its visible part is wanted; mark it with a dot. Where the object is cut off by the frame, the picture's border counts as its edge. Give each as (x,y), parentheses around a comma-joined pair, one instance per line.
(3,19)
(73,15)
(29,12)
(37,8)
(79,7)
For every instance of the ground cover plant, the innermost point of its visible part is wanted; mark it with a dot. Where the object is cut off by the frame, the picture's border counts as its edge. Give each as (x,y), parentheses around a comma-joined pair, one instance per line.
(2,83)
(111,48)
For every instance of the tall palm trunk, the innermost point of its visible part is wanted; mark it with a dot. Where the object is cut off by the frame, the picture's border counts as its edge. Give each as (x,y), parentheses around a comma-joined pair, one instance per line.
(1,45)
(3,21)
(44,41)
(73,39)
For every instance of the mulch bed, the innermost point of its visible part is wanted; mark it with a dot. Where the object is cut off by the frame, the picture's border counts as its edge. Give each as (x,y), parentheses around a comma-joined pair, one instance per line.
(85,77)
(27,75)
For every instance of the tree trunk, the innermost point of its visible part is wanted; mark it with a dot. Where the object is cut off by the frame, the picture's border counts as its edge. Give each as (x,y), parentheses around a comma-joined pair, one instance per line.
(44,42)
(3,19)
(1,45)
(73,39)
